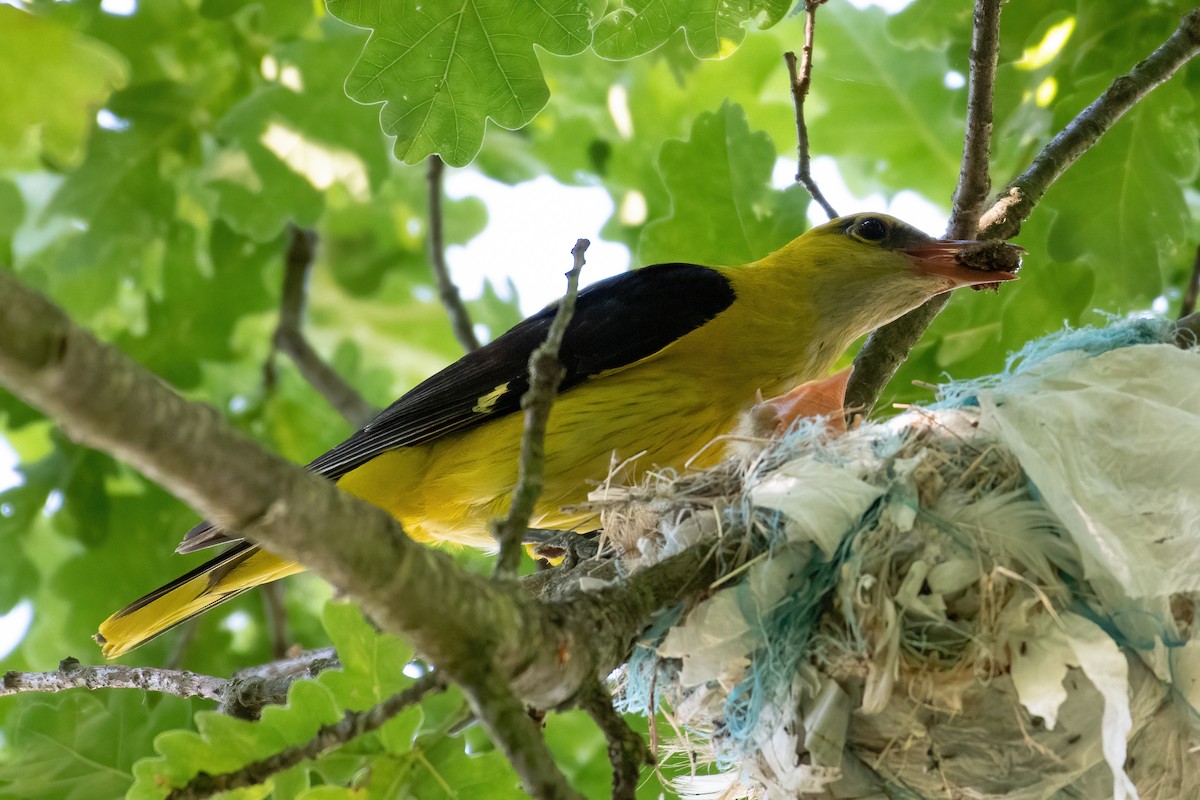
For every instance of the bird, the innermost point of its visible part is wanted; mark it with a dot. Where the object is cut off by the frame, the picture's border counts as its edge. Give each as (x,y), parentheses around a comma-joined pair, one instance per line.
(659,361)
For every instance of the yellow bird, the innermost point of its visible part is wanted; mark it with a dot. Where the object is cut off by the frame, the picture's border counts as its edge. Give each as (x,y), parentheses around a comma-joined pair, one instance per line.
(660,360)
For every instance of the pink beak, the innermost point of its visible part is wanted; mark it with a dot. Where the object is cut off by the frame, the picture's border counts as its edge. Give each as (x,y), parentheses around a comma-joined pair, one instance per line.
(953,259)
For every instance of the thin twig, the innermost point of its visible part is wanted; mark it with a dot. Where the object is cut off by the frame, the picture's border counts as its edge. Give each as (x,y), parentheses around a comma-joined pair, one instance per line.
(183,643)
(1188,305)
(545,374)
(460,318)
(887,348)
(73,675)
(1013,206)
(277,620)
(308,662)
(519,736)
(973,179)
(627,751)
(329,737)
(801,81)
(289,335)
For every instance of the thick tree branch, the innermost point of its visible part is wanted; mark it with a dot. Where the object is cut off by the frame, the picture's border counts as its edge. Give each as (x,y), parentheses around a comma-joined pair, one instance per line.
(545,374)
(328,738)
(289,335)
(73,675)
(1013,206)
(460,318)
(887,348)
(801,81)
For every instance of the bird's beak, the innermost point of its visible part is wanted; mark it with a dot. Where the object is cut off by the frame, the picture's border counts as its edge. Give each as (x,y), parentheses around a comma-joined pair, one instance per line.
(966,262)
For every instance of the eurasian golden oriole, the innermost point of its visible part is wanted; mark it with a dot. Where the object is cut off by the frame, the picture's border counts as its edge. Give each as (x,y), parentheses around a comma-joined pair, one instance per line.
(658,361)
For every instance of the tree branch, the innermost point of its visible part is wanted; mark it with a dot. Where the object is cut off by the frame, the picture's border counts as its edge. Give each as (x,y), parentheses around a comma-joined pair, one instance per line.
(73,675)
(460,318)
(801,80)
(1013,206)
(244,695)
(329,737)
(519,736)
(310,662)
(251,690)
(545,374)
(973,179)
(887,348)
(289,335)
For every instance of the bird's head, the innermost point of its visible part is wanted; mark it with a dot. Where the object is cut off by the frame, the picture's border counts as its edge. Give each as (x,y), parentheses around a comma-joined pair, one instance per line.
(876,246)
(865,270)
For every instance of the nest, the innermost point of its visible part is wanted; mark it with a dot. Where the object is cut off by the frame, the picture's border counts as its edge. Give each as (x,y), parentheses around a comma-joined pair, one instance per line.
(912,609)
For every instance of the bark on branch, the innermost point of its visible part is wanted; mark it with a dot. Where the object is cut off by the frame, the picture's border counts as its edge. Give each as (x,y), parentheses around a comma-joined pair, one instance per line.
(244,695)
(73,675)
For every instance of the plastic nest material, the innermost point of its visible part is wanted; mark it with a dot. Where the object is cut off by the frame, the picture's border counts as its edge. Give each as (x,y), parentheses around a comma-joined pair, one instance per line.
(993,597)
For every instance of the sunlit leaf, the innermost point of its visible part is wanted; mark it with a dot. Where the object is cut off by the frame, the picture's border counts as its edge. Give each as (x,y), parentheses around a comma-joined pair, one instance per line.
(442,68)
(52,82)
(79,746)
(713,28)
(727,212)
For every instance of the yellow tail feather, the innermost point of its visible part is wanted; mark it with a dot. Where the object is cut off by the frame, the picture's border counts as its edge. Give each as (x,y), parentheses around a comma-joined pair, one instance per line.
(242,567)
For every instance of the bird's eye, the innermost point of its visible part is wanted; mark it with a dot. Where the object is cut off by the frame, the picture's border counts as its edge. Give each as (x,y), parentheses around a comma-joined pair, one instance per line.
(871,229)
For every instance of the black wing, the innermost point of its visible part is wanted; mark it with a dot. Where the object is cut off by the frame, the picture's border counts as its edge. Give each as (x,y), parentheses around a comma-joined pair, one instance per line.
(617,321)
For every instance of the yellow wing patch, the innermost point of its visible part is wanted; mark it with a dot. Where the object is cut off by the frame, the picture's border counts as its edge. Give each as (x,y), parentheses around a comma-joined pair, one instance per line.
(487,403)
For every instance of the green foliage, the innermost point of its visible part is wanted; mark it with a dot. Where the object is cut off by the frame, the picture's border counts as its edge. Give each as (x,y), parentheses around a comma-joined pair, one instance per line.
(713,28)
(81,746)
(724,210)
(442,68)
(411,755)
(150,166)
(50,114)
